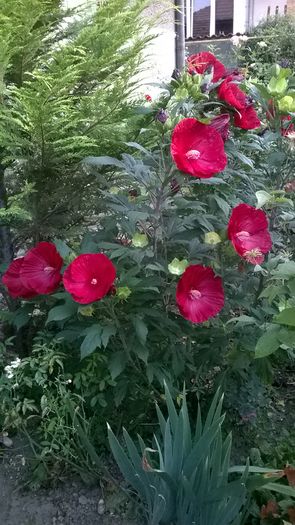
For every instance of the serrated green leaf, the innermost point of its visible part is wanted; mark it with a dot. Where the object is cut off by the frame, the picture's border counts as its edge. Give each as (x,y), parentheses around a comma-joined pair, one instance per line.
(140,329)
(268,343)
(92,341)
(117,364)
(62,312)
(287,317)
(107,333)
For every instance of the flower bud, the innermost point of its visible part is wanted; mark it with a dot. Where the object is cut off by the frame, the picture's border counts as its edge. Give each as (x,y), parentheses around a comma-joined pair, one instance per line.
(123,293)
(286,104)
(162,116)
(114,190)
(212,238)
(86,311)
(221,124)
(176,74)
(140,240)
(177,267)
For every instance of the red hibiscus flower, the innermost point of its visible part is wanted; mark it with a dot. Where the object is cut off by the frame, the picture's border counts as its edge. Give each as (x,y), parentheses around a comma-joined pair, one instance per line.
(232,94)
(41,268)
(221,124)
(248,232)
(89,277)
(12,280)
(201,62)
(197,149)
(148,98)
(247,118)
(199,294)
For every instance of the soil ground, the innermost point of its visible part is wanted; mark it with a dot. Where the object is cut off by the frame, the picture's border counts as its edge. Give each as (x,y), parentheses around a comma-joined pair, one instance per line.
(71,503)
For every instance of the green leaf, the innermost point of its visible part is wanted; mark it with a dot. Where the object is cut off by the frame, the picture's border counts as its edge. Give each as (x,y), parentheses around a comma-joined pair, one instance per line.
(142,352)
(284,270)
(22,316)
(107,332)
(287,317)
(63,249)
(62,312)
(281,489)
(245,160)
(287,337)
(117,364)
(268,343)
(262,198)
(92,340)
(140,329)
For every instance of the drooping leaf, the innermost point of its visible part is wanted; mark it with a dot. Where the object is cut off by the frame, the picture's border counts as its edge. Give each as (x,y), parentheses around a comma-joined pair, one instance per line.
(62,312)
(268,343)
(141,329)
(117,364)
(287,317)
(92,340)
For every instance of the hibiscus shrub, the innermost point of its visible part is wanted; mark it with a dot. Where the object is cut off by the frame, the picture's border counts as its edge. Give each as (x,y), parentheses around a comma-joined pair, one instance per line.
(185,275)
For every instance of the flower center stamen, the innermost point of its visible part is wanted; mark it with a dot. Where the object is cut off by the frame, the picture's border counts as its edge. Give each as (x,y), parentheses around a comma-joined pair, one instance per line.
(93,281)
(195,294)
(48,269)
(253,256)
(193,154)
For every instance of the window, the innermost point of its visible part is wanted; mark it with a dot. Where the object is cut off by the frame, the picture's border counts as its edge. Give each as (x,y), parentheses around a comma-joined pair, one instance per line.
(224,16)
(201,18)
(285,9)
(268,12)
(277,9)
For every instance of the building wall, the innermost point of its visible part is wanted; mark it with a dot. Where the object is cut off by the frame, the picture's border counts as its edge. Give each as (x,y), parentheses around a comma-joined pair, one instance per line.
(261,9)
(291,6)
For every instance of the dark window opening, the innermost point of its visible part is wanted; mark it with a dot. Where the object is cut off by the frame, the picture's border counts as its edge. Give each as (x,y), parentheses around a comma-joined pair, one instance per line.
(268,11)
(285,9)
(224,16)
(277,9)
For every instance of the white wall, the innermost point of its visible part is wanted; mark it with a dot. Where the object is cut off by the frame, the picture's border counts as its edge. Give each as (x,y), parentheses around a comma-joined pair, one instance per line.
(260,9)
(240,15)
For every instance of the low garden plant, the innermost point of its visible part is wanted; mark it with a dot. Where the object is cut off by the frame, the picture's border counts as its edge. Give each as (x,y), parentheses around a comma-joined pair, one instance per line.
(188,274)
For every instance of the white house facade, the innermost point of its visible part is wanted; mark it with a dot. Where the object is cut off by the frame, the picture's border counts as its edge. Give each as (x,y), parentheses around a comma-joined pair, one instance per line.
(213,17)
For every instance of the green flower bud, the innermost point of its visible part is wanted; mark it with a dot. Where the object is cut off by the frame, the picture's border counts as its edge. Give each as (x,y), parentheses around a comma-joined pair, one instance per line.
(177,267)
(114,190)
(277,86)
(181,93)
(86,311)
(286,104)
(275,70)
(140,240)
(123,293)
(212,238)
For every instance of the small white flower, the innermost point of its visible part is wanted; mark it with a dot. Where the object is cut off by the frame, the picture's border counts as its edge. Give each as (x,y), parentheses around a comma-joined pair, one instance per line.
(262,44)
(15,363)
(8,372)
(244,38)
(235,40)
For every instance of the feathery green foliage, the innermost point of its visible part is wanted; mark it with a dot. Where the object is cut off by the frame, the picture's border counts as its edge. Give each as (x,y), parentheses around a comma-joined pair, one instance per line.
(64,101)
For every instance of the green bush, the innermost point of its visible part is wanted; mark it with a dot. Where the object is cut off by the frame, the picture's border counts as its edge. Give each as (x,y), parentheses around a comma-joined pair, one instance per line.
(272,42)
(68,97)
(153,222)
